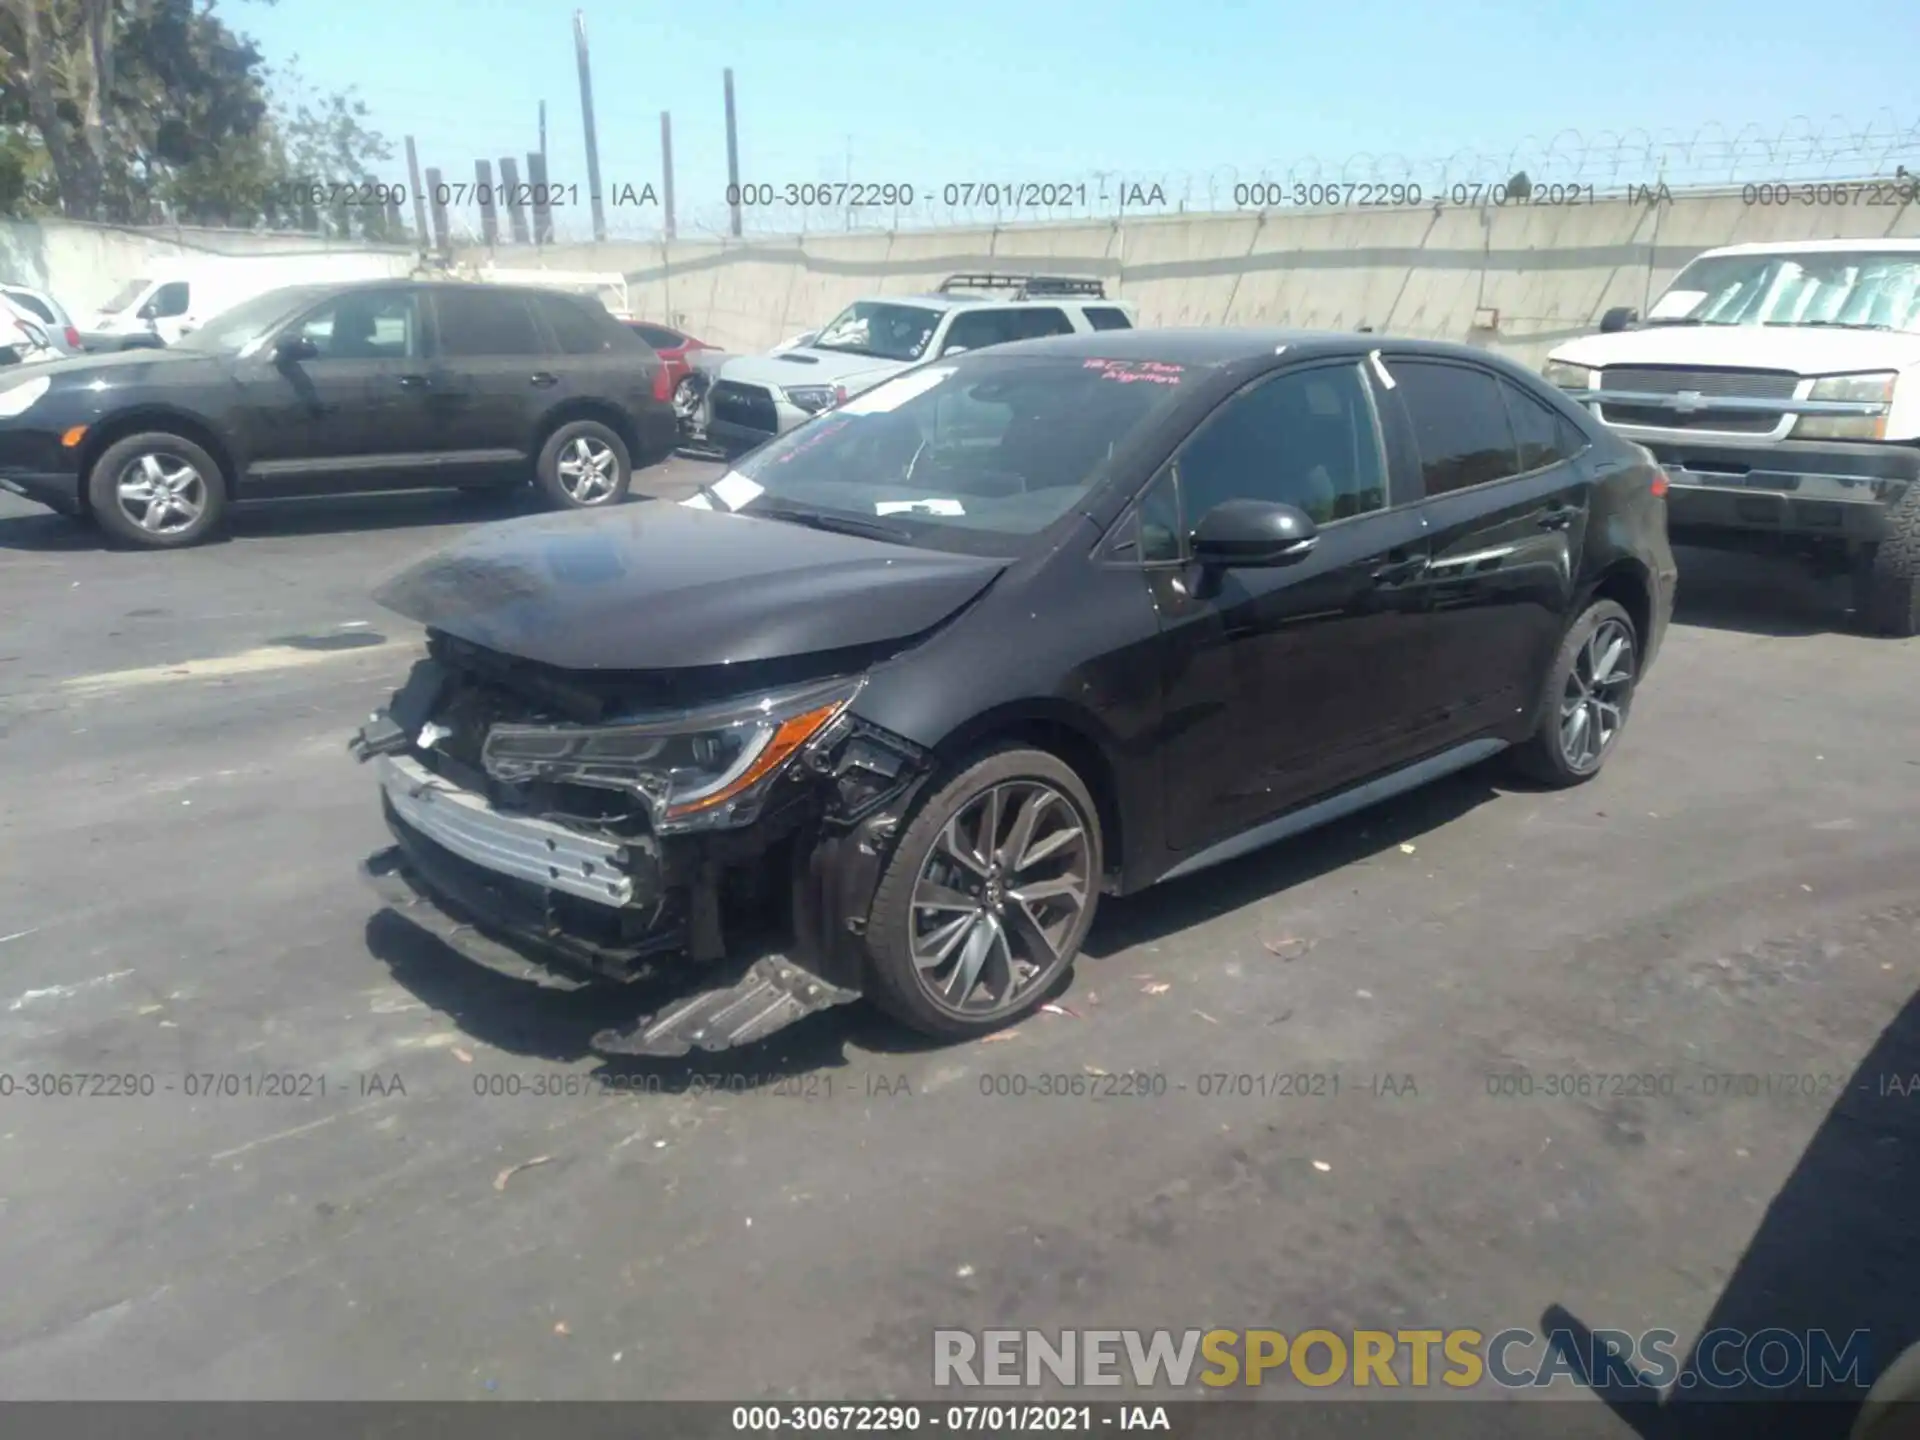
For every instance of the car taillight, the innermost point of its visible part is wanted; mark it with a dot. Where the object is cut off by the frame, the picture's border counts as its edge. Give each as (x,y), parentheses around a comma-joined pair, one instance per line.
(663,384)
(73,337)
(1659,482)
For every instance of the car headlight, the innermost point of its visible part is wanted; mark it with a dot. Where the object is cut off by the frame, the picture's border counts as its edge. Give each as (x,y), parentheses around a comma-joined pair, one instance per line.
(18,399)
(1566,375)
(1874,389)
(703,769)
(815,398)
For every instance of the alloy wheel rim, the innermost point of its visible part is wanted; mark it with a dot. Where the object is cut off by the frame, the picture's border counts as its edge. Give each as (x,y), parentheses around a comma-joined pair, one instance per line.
(1593,707)
(686,398)
(162,494)
(586,470)
(1000,898)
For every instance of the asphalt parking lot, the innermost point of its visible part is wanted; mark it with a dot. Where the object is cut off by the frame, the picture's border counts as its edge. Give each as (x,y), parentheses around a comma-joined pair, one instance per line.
(1736,897)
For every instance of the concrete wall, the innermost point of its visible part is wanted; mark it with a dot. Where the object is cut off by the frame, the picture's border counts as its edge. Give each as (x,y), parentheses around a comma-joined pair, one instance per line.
(1548,272)
(82,265)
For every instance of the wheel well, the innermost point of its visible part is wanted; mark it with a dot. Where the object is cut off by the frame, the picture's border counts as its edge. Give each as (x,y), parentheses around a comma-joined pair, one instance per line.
(1072,745)
(111,432)
(611,416)
(1626,585)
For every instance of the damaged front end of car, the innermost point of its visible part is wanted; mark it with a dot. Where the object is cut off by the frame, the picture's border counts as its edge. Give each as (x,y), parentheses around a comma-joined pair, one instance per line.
(727,825)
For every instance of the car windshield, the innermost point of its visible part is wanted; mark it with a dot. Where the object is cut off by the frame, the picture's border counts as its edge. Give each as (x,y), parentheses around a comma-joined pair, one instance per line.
(125,296)
(884,331)
(250,321)
(964,455)
(1870,290)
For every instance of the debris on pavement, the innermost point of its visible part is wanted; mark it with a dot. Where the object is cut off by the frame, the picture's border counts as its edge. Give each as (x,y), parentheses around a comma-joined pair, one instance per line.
(964,1272)
(1406,849)
(1363,994)
(462,1056)
(998,1035)
(1158,987)
(1093,1070)
(560,1328)
(1288,947)
(500,1180)
(1053,1009)
(1322,1166)
(1282,1017)
(1206,1017)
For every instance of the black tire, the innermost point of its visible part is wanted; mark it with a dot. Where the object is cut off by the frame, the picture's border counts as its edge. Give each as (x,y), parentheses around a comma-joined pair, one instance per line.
(583,441)
(1886,595)
(207,488)
(895,981)
(1545,755)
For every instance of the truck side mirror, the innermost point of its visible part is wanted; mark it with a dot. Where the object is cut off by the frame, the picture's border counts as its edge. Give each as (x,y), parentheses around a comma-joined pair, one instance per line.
(1620,317)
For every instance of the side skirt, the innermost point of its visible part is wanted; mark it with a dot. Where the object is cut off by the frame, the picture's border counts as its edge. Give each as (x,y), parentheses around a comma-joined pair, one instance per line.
(1337,807)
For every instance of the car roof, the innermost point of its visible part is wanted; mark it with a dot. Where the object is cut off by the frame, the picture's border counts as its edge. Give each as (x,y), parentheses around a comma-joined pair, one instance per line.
(1805,247)
(975,301)
(1221,345)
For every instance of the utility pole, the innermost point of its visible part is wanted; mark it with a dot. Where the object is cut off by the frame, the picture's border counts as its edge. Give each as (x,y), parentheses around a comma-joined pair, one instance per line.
(586,119)
(733,161)
(419,199)
(543,132)
(666,168)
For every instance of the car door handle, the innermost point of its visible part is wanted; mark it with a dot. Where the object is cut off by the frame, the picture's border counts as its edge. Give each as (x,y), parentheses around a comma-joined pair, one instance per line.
(1560,517)
(543,379)
(413,382)
(1398,570)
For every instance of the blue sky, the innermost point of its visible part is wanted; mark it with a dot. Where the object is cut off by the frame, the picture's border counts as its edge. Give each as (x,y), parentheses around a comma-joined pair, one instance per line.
(998,89)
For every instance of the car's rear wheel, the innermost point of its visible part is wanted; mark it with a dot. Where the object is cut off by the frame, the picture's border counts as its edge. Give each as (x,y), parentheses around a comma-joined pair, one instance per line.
(157,490)
(1589,693)
(987,896)
(583,466)
(1886,597)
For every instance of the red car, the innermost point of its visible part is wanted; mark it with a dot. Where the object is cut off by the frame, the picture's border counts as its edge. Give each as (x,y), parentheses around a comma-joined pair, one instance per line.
(672,346)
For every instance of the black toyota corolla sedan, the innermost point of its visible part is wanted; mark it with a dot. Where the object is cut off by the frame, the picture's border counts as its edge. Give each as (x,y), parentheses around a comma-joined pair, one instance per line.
(917,683)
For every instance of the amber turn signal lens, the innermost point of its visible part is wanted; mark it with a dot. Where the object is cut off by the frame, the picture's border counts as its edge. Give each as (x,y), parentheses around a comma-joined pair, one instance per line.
(1659,482)
(791,735)
(73,437)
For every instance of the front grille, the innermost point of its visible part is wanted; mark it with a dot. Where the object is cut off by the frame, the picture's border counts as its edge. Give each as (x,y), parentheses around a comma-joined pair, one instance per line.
(1662,380)
(1709,384)
(748,406)
(1722,422)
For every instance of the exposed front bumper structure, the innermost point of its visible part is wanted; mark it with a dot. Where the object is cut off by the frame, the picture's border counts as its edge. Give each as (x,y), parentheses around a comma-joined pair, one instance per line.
(560,901)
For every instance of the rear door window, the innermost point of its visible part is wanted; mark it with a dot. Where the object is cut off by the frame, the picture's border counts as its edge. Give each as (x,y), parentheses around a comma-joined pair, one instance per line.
(1459,423)
(1542,436)
(658,336)
(474,325)
(1105,317)
(169,300)
(576,329)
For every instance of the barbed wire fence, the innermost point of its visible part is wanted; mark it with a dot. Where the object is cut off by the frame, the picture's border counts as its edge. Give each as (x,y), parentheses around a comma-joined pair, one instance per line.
(1570,166)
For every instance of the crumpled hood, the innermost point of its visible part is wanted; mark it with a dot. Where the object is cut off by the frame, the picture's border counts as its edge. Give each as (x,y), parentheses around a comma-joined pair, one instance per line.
(807,366)
(656,586)
(1803,349)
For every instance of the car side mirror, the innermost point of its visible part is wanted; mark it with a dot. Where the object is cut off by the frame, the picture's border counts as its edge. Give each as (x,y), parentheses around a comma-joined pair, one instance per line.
(1620,317)
(1252,533)
(147,311)
(294,349)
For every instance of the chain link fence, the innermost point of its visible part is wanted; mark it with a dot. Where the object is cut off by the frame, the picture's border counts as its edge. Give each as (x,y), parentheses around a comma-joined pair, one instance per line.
(1568,167)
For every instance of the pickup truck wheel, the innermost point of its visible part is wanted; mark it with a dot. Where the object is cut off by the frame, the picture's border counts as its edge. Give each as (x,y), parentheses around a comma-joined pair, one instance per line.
(987,897)
(583,466)
(1589,692)
(1886,598)
(157,490)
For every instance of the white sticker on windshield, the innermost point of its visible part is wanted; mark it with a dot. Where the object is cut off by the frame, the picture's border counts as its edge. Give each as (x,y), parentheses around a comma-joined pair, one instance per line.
(892,394)
(735,489)
(918,507)
(697,502)
(1676,304)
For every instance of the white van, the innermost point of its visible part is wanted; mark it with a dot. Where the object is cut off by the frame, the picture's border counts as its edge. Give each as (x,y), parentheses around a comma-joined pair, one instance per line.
(176,297)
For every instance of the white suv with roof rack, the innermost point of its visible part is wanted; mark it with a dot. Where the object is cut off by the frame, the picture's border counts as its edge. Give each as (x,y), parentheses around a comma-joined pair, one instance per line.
(756,397)
(1778,385)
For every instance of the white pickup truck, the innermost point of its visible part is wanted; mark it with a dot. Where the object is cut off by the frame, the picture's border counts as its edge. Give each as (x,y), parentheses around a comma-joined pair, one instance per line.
(1779,387)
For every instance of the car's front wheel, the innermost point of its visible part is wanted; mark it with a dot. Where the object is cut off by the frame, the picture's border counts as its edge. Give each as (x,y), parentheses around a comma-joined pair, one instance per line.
(987,897)
(583,466)
(1589,692)
(1887,585)
(157,490)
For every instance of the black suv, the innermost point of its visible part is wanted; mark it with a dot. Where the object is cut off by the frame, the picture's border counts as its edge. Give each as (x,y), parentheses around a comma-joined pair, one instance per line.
(319,389)
(939,668)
